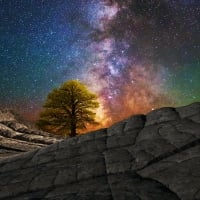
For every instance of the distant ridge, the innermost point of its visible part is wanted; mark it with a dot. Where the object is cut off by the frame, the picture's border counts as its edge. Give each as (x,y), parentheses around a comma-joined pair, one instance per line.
(11,115)
(16,137)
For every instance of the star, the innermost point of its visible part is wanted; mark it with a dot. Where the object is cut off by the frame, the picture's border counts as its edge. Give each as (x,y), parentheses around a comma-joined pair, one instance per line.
(135,55)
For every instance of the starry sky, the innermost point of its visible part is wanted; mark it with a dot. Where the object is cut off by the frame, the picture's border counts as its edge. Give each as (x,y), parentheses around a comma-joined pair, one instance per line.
(136,55)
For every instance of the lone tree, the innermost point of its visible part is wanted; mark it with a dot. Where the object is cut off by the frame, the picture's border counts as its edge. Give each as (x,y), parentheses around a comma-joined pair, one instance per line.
(68,108)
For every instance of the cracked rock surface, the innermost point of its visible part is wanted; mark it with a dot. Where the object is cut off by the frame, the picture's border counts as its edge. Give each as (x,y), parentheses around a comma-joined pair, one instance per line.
(152,157)
(16,137)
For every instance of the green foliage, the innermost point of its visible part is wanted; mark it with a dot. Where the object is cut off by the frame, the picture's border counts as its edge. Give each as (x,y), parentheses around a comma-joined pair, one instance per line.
(68,108)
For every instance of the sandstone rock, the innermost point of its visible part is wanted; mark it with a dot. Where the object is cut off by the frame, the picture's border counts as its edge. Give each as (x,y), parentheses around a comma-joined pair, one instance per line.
(16,138)
(149,157)
(161,115)
(189,111)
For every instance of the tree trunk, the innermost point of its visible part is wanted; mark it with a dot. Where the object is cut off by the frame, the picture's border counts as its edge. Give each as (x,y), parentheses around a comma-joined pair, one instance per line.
(73,121)
(73,130)
(73,115)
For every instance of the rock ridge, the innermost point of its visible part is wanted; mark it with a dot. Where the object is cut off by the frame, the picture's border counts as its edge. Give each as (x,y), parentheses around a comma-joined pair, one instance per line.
(150,157)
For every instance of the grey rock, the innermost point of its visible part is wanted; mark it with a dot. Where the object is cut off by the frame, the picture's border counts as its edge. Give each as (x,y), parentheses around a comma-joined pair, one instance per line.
(149,157)
(129,185)
(66,176)
(161,115)
(135,122)
(179,172)
(116,129)
(190,110)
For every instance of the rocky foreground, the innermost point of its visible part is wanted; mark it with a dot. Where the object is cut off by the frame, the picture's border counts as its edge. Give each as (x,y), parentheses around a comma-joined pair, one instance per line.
(15,137)
(152,157)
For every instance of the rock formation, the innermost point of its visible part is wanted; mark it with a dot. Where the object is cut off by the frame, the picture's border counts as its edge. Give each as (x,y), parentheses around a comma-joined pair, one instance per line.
(16,137)
(152,157)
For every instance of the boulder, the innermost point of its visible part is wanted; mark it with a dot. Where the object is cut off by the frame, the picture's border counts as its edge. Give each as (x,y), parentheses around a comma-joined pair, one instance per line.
(150,157)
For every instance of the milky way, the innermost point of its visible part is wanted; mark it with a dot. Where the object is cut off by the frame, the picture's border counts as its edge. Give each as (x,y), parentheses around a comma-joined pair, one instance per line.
(141,49)
(136,55)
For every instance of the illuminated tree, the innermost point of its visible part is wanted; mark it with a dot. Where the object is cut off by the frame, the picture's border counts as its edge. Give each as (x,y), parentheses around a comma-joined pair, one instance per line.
(68,108)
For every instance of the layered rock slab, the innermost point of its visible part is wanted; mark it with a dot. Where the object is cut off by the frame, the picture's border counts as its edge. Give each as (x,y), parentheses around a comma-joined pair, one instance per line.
(15,137)
(148,157)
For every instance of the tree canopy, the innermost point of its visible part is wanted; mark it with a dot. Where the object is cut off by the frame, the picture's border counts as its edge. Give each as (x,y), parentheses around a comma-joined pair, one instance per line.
(68,109)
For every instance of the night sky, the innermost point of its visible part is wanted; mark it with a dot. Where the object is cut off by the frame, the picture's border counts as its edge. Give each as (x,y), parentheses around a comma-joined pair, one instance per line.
(136,55)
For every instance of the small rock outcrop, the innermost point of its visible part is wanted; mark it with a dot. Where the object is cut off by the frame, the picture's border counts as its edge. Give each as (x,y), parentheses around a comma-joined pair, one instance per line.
(16,137)
(150,157)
